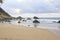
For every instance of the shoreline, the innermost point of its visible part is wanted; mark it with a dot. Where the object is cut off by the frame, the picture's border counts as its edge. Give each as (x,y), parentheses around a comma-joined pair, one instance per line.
(17,32)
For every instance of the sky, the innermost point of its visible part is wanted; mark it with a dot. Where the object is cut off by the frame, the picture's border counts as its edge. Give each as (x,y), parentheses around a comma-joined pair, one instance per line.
(41,8)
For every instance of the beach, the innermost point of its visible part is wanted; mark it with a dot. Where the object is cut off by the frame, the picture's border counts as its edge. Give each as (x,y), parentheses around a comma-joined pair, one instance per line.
(29,20)
(20,32)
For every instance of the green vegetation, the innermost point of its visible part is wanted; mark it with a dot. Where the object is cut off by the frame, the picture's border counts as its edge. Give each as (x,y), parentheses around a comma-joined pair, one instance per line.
(3,14)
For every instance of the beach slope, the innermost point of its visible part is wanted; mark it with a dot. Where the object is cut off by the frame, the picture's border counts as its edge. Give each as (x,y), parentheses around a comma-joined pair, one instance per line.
(14,32)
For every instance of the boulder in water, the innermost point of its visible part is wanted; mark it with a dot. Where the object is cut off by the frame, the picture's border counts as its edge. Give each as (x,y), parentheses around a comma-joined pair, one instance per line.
(35,17)
(24,20)
(28,18)
(58,21)
(36,21)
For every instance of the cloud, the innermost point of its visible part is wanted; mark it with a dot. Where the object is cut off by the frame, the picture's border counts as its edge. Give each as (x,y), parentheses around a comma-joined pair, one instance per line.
(32,6)
(16,10)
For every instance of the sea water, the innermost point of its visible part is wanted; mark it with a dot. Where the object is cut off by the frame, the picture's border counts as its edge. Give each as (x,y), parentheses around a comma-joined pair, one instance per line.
(45,23)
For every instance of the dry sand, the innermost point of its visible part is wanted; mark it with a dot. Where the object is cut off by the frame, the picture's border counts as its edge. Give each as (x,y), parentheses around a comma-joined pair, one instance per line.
(14,32)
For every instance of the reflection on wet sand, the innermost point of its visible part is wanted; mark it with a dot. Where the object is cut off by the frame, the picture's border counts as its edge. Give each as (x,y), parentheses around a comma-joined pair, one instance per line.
(36,24)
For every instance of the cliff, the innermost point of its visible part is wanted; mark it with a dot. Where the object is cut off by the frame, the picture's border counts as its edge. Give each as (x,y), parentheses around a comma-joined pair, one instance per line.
(3,14)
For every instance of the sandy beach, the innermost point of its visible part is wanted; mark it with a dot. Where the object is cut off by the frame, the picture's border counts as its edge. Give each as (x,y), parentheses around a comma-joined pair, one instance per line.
(17,32)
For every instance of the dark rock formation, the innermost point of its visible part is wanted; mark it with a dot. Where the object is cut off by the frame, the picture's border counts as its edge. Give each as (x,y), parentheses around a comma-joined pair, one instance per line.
(36,21)
(35,17)
(19,22)
(19,18)
(28,18)
(58,21)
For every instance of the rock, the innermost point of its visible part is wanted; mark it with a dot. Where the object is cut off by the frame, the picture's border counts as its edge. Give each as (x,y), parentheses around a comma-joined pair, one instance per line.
(58,21)
(28,18)
(36,21)
(24,20)
(35,17)
(18,21)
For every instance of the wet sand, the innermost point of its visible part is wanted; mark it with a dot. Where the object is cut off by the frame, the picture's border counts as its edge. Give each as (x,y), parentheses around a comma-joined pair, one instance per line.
(17,32)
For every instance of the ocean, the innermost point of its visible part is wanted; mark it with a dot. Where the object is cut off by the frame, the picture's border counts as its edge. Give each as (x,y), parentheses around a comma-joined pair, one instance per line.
(51,22)
(45,23)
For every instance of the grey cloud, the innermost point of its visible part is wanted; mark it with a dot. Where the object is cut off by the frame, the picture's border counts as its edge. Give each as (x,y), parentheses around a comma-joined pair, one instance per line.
(36,6)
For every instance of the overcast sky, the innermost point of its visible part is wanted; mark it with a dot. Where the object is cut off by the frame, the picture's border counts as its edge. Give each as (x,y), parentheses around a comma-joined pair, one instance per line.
(20,7)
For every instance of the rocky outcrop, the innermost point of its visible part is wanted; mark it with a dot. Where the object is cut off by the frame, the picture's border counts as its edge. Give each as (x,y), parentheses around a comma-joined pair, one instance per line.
(58,21)
(3,14)
(36,21)
(35,17)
